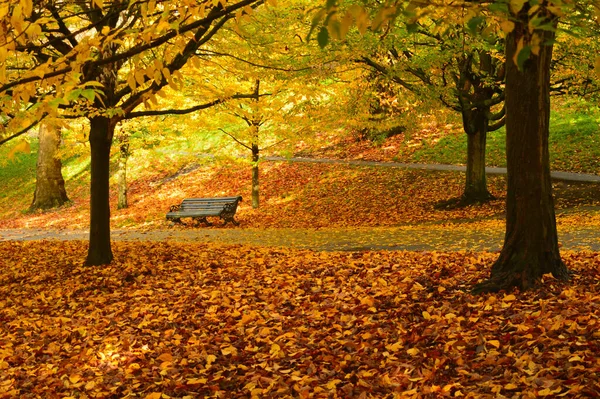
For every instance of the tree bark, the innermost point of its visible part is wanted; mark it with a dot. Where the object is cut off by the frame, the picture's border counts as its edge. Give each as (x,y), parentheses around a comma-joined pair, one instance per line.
(49,185)
(255,182)
(101,133)
(122,179)
(476,190)
(531,242)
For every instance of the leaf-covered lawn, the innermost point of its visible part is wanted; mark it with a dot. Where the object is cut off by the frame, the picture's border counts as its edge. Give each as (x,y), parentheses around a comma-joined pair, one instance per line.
(295,196)
(200,320)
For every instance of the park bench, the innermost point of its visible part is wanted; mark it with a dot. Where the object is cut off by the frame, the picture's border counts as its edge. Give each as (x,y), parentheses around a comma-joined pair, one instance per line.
(201,208)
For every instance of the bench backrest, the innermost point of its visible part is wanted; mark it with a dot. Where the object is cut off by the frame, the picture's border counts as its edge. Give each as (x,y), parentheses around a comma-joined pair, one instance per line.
(208,203)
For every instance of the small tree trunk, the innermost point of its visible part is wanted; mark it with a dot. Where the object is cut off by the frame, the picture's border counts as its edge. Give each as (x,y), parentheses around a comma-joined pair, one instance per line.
(122,179)
(531,242)
(255,185)
(101,133)
(476,183)
(49,185)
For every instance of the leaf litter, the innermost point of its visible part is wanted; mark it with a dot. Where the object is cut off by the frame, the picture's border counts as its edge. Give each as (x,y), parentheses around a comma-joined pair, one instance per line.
(169,320)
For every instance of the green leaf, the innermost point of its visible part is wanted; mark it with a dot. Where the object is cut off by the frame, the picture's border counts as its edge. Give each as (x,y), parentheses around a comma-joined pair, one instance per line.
(474,23)
(89,94)
(323,37)
(412,28)
(73,95)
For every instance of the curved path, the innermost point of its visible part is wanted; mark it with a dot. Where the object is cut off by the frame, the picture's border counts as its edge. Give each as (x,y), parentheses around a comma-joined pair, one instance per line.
(565,176)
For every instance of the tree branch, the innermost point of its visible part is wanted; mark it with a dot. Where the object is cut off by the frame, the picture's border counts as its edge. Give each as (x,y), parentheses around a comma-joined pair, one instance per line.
(21,132)
(236,140)
(195,108)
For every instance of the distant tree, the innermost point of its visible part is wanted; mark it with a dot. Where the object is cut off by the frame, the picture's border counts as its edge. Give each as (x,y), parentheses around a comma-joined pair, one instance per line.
(49,184)
(124,154)
(457,70)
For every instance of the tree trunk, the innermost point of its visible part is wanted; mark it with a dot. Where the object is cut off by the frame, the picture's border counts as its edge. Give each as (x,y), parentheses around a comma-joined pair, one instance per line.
(122,180)
(255,185)
(49,185)
(476,184)
(101,133)
(531,243)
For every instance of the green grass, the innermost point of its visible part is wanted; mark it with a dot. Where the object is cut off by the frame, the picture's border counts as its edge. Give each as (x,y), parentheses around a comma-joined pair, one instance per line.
(17,175)
(574,143)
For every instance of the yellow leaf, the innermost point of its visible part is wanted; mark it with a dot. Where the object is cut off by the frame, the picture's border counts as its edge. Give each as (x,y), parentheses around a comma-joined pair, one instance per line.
(412,351)
(229,350)
(367,300)
(510,386)
(494,342)
(331,384)
(22,147)
(75,378)
(517,5)
(426,315)
(247,318)
(27,7)
(153,395)
(166,357)
(508,298)
(196,381)
(90,385)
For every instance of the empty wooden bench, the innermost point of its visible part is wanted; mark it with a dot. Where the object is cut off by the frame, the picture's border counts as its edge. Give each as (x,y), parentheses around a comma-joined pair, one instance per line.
(201,208)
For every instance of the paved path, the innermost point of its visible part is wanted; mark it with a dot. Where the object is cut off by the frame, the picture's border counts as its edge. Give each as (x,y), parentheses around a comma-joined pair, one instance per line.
(410,238)
(566,176)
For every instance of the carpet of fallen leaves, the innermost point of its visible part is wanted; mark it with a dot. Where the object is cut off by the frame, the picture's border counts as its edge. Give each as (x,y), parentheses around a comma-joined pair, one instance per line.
(297,195)
(201,320)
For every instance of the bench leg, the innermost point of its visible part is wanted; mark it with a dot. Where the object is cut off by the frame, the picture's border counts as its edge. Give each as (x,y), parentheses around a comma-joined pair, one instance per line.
(203,220)
(230,219)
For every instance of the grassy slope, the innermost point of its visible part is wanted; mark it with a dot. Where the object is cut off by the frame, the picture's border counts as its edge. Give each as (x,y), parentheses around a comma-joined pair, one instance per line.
(574,144)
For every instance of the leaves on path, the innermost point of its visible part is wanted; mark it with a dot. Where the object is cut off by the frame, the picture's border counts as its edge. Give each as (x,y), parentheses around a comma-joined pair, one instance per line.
(175,320)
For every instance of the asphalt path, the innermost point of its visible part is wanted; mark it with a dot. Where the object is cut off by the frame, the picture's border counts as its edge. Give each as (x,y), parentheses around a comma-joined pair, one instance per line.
(564,176)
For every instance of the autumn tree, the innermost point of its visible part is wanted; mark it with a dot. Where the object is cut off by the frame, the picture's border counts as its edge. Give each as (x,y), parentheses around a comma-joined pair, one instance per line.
(102,61)
(456,70)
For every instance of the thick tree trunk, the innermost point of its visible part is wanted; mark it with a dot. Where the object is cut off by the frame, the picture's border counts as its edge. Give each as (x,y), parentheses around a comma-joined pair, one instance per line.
(49,185)
(101,133)
(476,190)
(531,243)
(122,179)
(255,184)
